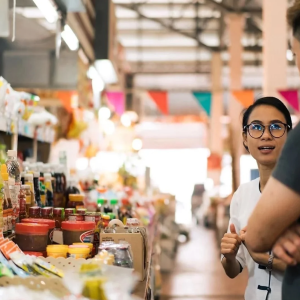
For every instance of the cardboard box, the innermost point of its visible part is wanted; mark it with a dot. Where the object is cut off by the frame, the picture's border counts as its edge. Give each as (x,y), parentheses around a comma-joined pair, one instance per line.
(138,247)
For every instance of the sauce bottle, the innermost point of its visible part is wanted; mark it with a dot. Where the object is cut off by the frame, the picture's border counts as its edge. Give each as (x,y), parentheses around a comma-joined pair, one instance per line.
(36,184)
(49,189)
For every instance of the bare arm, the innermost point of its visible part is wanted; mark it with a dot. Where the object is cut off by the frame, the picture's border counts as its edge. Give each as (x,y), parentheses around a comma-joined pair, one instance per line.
(232,267)
(277,210)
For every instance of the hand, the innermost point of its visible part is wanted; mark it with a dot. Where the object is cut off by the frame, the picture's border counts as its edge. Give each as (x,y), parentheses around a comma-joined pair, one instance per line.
(230,244)
(243,234)
(287,247)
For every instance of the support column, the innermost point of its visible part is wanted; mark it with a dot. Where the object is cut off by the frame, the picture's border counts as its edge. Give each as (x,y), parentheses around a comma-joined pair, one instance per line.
(236,28)
(274,46)
(215,138)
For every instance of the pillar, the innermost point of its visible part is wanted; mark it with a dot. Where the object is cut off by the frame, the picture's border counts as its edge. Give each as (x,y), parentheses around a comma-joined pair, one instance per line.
(236,29)
(274,46)
(215,126)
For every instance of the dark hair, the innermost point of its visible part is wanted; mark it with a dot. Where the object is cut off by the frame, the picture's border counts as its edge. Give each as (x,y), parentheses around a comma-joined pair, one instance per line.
(293,18)
(270,101)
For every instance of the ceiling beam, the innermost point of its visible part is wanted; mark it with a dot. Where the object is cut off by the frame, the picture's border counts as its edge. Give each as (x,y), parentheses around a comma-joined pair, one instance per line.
(170,27)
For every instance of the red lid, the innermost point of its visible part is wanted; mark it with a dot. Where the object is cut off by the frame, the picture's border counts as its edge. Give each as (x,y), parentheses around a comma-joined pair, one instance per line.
(47,210)
(50,223)
(32,228)
(37,254)
(77,225)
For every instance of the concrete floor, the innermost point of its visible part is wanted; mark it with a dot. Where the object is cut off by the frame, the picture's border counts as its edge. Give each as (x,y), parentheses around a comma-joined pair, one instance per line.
(198,273)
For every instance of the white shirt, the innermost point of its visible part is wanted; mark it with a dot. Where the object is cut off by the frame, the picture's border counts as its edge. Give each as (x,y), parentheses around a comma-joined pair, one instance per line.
(242,205)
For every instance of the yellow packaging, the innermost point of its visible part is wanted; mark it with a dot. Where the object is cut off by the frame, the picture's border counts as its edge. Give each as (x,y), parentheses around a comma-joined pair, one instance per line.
(85,244)
(57,251)
(78,252)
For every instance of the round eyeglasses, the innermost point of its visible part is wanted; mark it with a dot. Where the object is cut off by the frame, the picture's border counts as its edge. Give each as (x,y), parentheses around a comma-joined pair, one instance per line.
(256,130)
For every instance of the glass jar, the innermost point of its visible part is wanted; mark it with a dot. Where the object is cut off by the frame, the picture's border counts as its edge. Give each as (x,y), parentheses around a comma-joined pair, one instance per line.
(105,220)
(35,212)
(76,201)
(58,216)
(123,257)
(81,211)
(28,197)
(22,203)
(47,213)
(68,212)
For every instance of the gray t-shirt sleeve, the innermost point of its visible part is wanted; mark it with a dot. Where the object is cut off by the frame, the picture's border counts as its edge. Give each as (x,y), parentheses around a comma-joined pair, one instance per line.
(287,170)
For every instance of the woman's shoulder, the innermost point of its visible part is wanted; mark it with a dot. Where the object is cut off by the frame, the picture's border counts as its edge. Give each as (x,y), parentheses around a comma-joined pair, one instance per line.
(248,187)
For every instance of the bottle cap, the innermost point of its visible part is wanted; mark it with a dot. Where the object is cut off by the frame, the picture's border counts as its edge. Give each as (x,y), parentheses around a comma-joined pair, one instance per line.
(114,202)
(13,153)
(47,176)
(29,177)
(101,201)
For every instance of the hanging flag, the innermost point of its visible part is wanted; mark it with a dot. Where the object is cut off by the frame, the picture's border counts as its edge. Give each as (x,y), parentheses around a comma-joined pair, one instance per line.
(245,97)
(117,100)
(65,98)
(291,96)
(161,100)
(204,100)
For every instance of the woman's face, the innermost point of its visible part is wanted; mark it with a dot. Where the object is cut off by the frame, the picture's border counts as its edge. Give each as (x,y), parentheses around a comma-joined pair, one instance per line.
(265,149)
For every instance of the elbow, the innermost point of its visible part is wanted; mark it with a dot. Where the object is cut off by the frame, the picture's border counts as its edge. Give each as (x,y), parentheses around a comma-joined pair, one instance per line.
(257,243)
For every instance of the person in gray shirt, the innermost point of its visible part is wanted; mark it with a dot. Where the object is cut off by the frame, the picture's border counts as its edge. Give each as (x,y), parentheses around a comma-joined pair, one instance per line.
(274,223)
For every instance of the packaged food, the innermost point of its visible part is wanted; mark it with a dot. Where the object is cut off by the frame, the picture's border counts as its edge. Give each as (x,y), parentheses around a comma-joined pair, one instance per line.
(57,251)
(78,251)
(77,231)
(75,201)
(52,269)
(32,237)
(76,217)
(58,216)
(29,181)
(35,212)
(90,245)
(105,220)
(50,223)
(47,213)
(31,253)
(123,256)
(28,196)
(68,212)
(22,203)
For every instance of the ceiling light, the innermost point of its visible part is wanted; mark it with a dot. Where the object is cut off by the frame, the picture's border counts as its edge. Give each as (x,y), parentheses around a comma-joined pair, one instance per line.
(47,9)
(109,127)
(106,70)
(98,84)
(70,38)
(137,144)
(125,120)
(104,113)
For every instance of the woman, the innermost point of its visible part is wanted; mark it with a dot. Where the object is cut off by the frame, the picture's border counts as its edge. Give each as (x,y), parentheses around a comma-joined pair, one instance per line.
(265,127)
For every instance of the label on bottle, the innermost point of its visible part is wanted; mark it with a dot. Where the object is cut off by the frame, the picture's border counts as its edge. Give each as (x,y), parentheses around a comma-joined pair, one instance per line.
(28,199)
(87,237)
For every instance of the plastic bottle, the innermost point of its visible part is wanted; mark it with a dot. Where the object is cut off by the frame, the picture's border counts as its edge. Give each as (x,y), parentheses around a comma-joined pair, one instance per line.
(115,209)
(22,201)
(100,205)
(13,167)
(1,202)
(7,201)
(3,156)
(29,181)
(49,189)
(36,184)
(58,192)
(43,195)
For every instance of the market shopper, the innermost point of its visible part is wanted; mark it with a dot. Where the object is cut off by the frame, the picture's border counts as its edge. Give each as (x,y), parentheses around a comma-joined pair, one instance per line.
(265,127)
(274,220)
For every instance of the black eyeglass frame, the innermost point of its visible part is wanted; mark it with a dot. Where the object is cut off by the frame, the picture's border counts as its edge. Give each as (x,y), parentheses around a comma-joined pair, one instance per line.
(286,126)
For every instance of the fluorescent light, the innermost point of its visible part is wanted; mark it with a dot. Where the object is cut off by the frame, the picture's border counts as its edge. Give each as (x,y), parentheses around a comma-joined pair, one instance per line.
(70,38)
(47,9)
(106,70)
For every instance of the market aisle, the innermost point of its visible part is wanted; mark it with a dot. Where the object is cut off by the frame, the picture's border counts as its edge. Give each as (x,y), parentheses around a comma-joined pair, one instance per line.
(198,274)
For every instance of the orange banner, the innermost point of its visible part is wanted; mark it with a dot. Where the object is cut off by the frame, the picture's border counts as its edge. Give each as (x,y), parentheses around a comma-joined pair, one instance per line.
(245,97)
(161,100)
